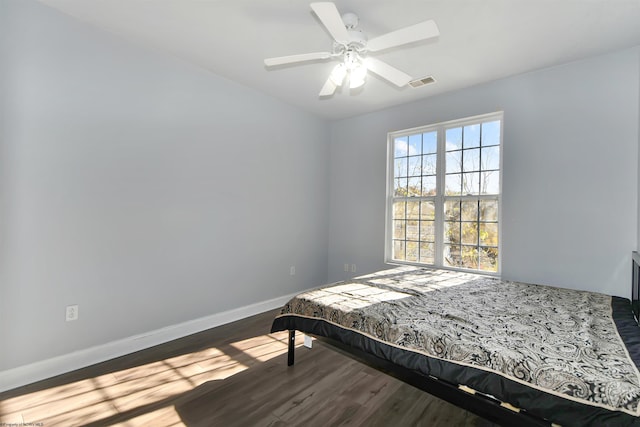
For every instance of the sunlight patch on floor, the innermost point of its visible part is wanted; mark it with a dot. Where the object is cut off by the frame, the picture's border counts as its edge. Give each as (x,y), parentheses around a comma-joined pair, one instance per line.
(145,392)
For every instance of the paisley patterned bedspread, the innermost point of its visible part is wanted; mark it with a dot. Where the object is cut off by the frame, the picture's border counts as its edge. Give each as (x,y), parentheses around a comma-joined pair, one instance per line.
(563,343)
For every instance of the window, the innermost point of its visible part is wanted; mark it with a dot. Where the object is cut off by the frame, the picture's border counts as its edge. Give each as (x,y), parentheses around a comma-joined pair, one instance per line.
(444,194)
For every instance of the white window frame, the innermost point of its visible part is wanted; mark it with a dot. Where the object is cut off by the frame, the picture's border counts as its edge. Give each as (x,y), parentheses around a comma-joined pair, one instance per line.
(440,198)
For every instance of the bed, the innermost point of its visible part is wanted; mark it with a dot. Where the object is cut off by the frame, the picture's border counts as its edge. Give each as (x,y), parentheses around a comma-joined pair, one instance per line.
(513,353)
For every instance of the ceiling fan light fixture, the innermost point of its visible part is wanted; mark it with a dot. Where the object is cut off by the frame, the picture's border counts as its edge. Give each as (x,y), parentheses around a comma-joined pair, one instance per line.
(338,74)
(354,83)
(351,60)
(357,76)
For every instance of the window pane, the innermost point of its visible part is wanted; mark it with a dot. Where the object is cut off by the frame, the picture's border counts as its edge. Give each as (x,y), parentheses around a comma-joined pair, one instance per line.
(490,182)
(429,186)
(399,209)
(415,145)
(470,210)
(488,210)
(398,250)
(488,259)
(412,251)
(401,147)
(469,233)
(429,164)
(427,231)
(427,210)
(427,253)
(452,232)
(454,162)
(430,142)
(453,184)
(471,160)
(453,139)
(469,257)
(489,234)
(452,257)
(415,187)
(398,229)
(491,133)
(471,136)
(471,183)
(452,210)
(401,167)
(491,158)
(400,187)
(413,232)
(415,166)
(413,210)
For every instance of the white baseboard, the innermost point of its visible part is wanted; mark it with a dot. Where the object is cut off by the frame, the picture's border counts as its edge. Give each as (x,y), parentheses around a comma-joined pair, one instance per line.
(27,374)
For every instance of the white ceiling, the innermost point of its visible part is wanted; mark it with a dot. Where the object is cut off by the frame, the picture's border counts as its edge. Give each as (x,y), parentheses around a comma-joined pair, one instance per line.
(480,40)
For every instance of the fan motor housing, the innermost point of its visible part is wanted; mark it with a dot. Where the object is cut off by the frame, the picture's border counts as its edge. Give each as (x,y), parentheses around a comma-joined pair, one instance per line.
(357,38)
(357,41)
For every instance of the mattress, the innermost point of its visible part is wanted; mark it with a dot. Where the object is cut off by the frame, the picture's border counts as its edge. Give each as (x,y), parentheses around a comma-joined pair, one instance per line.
(565,355)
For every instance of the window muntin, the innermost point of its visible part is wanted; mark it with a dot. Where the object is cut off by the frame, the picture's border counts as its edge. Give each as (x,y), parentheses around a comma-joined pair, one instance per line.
(444,194)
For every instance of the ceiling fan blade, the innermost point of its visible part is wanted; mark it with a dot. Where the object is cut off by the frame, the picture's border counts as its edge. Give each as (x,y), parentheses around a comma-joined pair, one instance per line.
(422,31)
(330,17)
(386,71)
(281,60)
(328,89)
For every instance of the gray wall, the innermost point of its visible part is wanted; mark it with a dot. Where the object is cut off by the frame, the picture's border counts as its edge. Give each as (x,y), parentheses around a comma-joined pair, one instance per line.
(570,185)
(146,190)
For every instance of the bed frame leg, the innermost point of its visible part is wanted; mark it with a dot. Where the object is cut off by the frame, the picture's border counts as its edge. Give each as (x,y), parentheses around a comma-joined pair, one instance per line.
(292,347)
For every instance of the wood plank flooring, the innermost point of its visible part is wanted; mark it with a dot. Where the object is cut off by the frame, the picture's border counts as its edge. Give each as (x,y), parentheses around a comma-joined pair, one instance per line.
(232,375)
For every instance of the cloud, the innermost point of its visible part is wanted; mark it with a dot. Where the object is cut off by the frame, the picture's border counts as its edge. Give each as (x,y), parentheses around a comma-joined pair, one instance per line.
(402,148)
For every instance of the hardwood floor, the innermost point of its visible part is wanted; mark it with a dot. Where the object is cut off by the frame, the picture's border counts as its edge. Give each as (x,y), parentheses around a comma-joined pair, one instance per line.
(233,375)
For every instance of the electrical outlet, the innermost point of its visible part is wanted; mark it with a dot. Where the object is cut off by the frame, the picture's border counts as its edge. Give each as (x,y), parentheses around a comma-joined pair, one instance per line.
(72,313)
(346,267)
(353,268)
(292,270)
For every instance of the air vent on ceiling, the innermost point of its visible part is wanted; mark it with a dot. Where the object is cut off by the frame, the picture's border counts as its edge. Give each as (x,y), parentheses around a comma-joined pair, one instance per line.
(423,81)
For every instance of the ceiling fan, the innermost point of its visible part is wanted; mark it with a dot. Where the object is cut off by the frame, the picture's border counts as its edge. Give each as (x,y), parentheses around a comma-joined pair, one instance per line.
(350,46)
